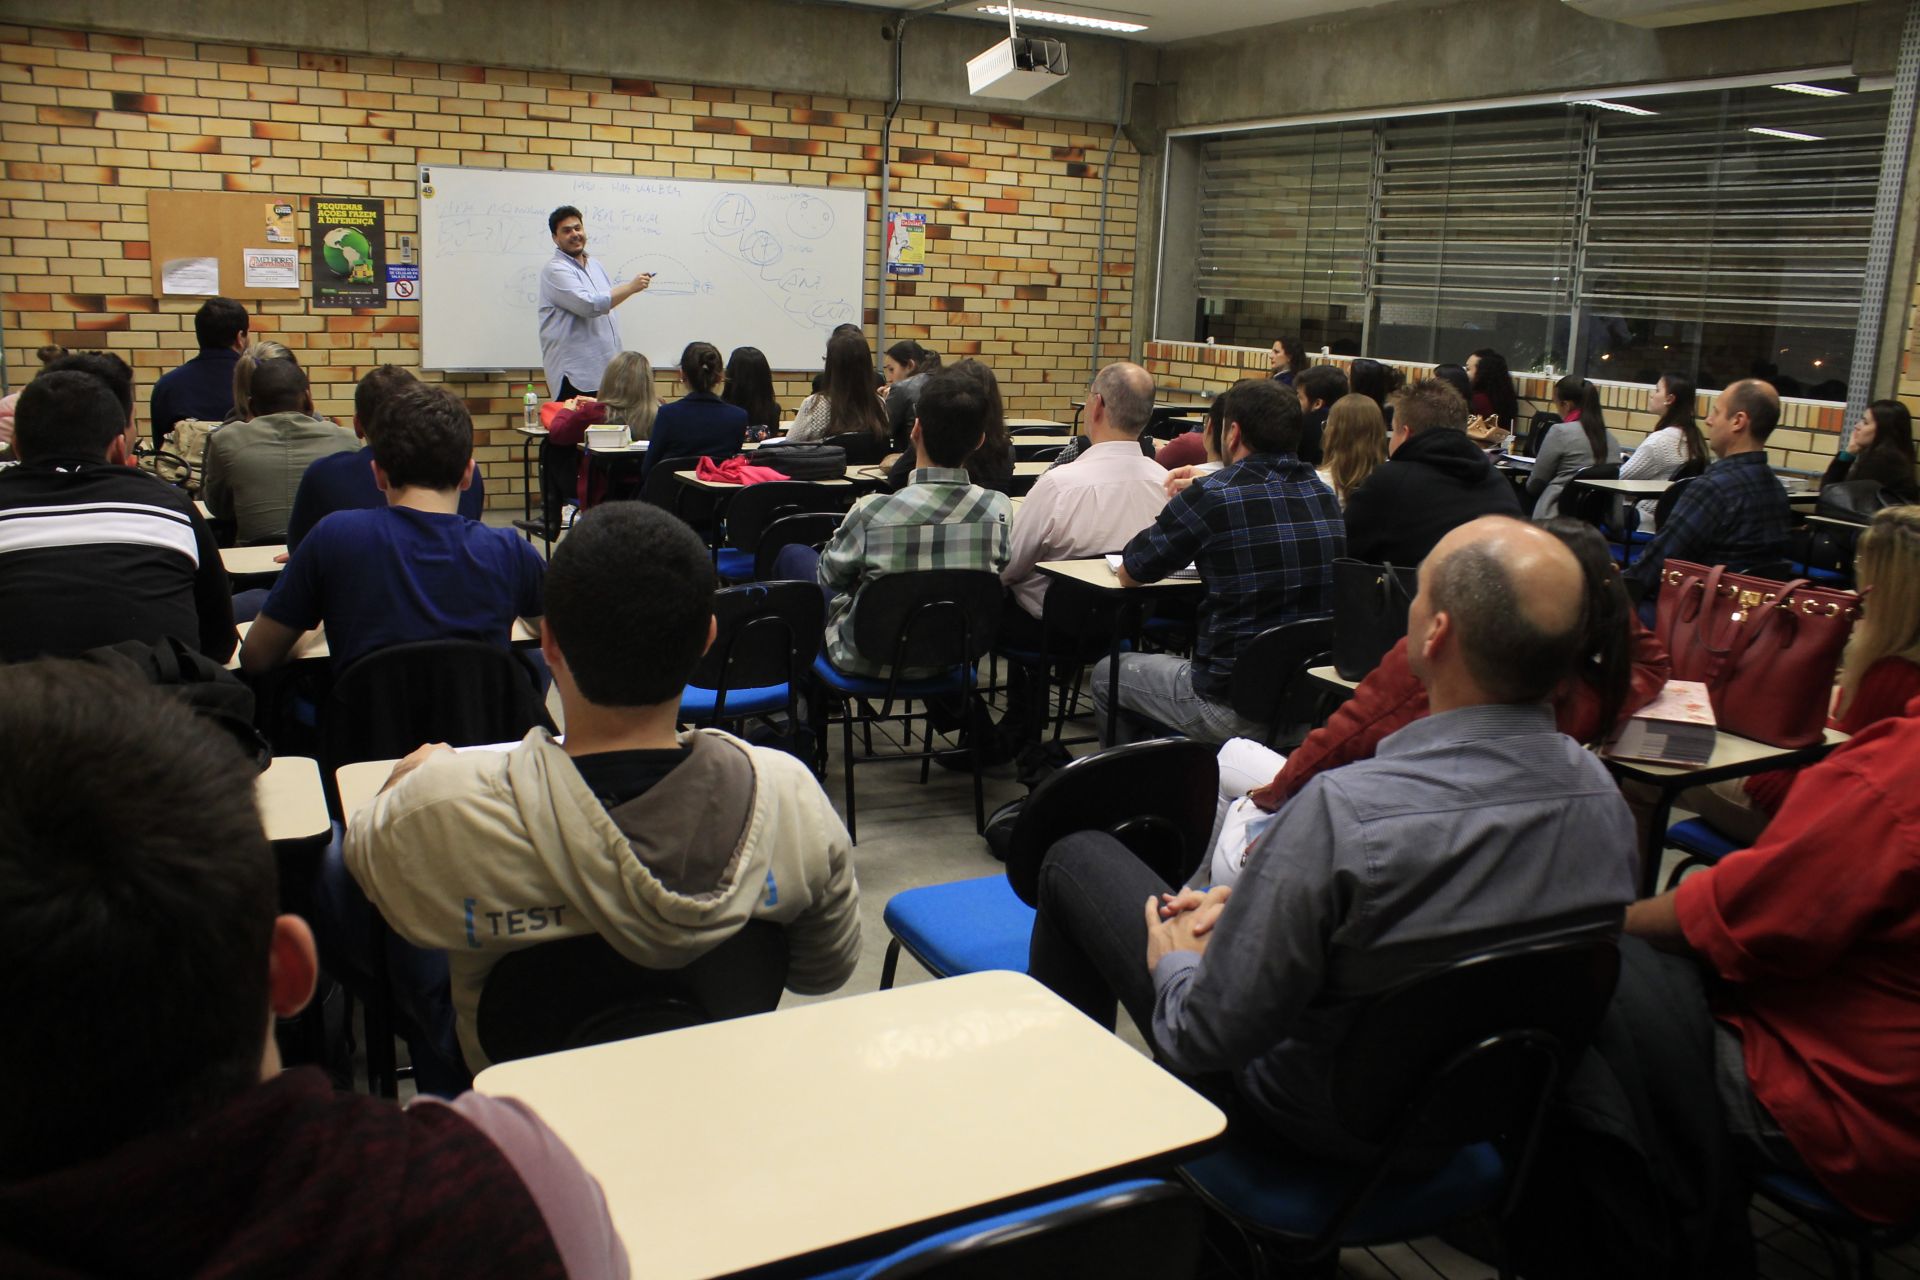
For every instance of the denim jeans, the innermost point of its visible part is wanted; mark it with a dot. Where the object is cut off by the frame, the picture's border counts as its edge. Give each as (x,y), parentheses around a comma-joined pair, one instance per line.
(1157,694)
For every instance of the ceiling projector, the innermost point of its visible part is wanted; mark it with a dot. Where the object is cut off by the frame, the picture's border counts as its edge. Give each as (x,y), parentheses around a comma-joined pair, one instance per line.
(1018,67)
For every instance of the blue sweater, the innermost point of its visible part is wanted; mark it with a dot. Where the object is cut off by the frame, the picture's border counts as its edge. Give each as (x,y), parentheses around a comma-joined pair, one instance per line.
(699,424)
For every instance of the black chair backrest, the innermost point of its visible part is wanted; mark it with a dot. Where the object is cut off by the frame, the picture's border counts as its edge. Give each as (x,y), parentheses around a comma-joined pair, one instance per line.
(1855,500)
(1663,507)
(1078,624)
(1047,453)
(814,530)
(1457,1055)
(581,991)
(758,505)
(1153,1230)
(927,619)
(863,448)
(1267,672)
(662,488)
(1536,434)
(1595,506)
(1157,798)
(461,692)
(767,634)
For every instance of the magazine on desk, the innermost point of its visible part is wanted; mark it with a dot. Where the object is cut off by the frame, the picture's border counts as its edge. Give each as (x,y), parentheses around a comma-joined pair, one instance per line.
(1675,728)
(1189,574)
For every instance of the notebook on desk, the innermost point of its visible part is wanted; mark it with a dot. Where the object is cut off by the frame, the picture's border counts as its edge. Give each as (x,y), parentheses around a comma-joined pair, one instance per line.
(1189,574)
(1675,728)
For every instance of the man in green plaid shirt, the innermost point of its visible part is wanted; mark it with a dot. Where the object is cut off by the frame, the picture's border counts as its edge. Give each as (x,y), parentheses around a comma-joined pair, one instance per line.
(940,520)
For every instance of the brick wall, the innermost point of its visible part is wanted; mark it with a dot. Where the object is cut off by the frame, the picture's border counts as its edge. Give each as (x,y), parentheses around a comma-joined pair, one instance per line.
(1805,440)
(90,123)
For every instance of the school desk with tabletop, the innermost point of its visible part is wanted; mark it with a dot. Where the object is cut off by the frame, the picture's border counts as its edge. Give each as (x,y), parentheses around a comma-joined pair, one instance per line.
(1130,606)
(886,1116)
(312,645)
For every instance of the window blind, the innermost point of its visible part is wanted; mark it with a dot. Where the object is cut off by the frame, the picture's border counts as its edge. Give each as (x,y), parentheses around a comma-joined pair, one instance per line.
(1283,218)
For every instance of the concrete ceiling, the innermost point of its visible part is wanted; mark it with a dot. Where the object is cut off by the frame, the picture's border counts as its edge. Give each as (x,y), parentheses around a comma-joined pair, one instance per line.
(1166,20)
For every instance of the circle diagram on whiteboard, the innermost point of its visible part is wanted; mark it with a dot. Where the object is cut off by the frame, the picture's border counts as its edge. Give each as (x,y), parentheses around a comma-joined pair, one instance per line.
(809,217)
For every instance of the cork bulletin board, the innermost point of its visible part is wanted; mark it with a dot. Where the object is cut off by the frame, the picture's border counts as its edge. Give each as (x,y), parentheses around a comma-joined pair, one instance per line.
(187,228)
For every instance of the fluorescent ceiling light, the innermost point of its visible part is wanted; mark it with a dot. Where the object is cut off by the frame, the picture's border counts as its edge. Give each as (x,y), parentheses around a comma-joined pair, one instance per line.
(1615,106)
(1063,19)
(1789,134)
(1812,90)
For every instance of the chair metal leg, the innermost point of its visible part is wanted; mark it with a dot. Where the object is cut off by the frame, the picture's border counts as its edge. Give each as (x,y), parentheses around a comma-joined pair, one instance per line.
(890,965)
(926,752)
(846,766)
(979,792)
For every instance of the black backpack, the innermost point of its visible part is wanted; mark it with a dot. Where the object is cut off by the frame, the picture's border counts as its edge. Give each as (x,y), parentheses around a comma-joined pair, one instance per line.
(803,461)
(215,693)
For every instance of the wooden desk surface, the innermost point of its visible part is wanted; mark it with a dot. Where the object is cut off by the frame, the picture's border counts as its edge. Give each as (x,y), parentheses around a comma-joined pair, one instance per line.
(1031,468)
(312,645)
(1093,572)
(1014,424)
(900,1107)
(206,513)
(1729,752)
(1331,675)
(1856,526)
(359,783)
(1024,441)
(292,804)
(244,560)
(1632,488)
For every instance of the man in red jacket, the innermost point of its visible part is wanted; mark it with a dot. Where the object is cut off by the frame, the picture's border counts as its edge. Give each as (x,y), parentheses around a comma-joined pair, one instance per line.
(1814,934)
(146,1127)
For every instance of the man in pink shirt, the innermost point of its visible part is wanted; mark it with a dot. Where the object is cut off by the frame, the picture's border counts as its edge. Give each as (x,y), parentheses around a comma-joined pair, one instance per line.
(1110,492)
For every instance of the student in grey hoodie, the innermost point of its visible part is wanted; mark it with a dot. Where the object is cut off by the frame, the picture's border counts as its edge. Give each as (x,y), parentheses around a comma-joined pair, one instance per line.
(663,843)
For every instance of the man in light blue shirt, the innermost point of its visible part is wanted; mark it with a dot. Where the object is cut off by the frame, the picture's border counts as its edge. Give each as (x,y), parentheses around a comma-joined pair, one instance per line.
(578,335)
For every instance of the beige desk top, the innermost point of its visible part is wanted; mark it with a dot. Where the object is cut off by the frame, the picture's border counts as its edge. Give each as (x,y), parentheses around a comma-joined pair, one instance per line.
(1331,675)
(1166,406)
(901,1106)
(1858,526)
(1021,441)
(1014,424)
(292,804)
(1031,468)
(1634,488)
(536,433)
(312,644)
(1729,751)
(1094,573)
(359,783)
(242,560)
(206,513)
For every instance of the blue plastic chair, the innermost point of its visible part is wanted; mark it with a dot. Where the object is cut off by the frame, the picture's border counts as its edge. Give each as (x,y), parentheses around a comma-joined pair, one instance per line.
(1808,1202)
(1156,798)
(766,635)
(1128,1229)
(1459,1063)
(1701,842)
(749,512)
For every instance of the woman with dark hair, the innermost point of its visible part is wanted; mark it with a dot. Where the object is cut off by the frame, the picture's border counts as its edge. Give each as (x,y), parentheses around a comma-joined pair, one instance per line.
(1288,358)
(749,384)
(1492,388)
(1674,448)
(1455,376)
(991,465)
(1371,379)
(699,424)
(847,403)
(1579,440)
(906,366)
(1881,449)
(1621,667)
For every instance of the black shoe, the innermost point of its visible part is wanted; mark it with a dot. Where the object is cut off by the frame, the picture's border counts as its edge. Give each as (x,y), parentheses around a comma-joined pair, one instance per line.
(996,762)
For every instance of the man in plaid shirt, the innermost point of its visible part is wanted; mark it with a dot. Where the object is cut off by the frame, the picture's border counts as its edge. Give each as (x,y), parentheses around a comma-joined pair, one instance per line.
(1737,512)
(1264,533)
(940,520)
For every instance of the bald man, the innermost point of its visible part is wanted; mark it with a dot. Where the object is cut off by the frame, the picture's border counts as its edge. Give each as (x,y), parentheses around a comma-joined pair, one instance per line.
(1736,513)
(1477,827)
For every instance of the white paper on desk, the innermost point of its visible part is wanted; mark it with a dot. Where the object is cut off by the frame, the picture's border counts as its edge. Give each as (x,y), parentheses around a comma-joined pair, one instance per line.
(270,268)
(1192,571)
(199,277)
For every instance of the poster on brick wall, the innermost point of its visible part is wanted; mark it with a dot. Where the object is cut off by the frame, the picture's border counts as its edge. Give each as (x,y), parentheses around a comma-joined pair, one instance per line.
(906,243)
(348,235)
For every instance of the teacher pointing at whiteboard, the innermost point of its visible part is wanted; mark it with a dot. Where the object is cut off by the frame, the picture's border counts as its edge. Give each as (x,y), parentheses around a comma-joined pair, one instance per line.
(578,336)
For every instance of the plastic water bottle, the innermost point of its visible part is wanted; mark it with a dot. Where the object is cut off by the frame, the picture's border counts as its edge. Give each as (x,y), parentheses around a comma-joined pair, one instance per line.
(532,401)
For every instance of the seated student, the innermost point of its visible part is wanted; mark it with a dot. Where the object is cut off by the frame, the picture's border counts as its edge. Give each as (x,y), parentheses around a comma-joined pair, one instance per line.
(415,569)
(1434,480)
(1879,676)
(940,521)
(1264,533)
(663,843)
(1480,825)
(253,468)
(1674,444)
(626,399)
(1736,513)
(1088,509)
(1808,950)
(10,402)
(202,387)
(1355,446)
(749,384)
(255,355)
(1491,388)
(990,465)
(344,481)
(699,424)
(1212,429)
(1286,359)
(142,936)
(906,366)
(846,403)
(1880,449)
(97,551)
(1579,440)
(1319,387)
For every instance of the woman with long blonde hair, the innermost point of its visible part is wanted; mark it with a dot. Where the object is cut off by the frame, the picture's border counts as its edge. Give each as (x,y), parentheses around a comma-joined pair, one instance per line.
(1354,444)
(626,389)
(626,398)
(251,359)
(1879,675)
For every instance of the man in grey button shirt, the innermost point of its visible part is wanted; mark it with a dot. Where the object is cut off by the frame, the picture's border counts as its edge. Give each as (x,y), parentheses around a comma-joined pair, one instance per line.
(578,336)
(1477,826)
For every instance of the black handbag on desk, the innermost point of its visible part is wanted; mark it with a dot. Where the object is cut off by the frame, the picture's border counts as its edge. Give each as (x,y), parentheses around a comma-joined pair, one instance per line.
(1370,603)
(802,461)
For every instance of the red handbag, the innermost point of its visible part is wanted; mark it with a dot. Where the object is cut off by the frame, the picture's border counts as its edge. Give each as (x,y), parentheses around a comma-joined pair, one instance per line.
(1767,651)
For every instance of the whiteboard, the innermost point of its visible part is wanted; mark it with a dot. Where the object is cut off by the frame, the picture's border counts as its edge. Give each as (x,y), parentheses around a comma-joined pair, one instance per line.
(735,264)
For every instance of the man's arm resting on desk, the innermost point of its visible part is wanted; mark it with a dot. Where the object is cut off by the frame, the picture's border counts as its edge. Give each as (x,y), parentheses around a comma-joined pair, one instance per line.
(268,645)
(1169,543)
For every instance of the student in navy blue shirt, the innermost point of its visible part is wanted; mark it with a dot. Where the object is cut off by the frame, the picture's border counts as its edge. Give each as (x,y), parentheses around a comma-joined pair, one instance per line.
(412,570)
(202,387)
(698,424)
(344,481)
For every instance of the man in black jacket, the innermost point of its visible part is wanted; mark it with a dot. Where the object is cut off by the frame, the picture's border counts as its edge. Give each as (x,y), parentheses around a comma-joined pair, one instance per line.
(1318,386)
(1435,480)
